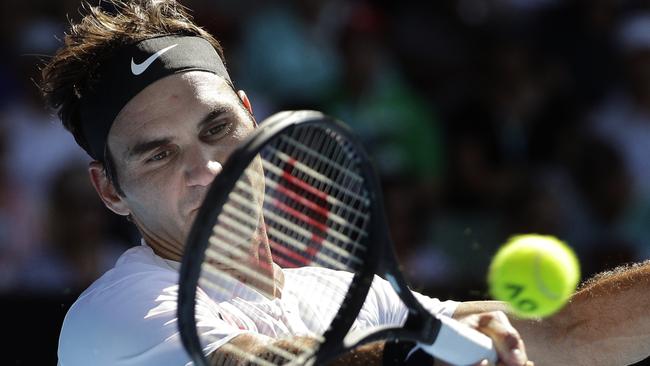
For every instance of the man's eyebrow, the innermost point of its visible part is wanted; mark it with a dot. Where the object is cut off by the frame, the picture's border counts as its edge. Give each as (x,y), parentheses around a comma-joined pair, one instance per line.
(214,114)
(143,147)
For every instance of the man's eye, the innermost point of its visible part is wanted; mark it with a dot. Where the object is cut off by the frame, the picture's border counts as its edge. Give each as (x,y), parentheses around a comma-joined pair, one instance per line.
(217,130)
(159,156)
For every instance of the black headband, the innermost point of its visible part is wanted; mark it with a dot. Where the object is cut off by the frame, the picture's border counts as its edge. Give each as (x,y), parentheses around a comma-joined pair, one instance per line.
(131,69)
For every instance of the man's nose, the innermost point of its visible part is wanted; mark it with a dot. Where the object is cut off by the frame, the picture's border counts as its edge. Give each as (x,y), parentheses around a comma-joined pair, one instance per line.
(201,169)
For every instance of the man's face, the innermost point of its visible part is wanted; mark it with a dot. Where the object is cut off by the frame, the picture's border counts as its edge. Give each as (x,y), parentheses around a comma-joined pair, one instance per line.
(168,143)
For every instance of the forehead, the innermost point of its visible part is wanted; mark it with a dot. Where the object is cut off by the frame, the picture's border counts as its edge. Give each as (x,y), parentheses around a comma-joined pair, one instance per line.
(176,97)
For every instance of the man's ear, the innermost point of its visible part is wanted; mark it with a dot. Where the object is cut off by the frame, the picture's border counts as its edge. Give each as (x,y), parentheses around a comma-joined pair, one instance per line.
(106,190)
(245,101)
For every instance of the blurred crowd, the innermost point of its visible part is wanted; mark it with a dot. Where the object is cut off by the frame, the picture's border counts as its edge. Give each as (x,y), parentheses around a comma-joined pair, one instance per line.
(485,118)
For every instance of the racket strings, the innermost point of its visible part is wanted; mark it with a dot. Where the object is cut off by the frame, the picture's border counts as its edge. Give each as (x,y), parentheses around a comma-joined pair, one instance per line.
(329,166)
(338,212)
(313,210)
(343,159)
(306,164)
(273,216)
(306,177)
(333,161)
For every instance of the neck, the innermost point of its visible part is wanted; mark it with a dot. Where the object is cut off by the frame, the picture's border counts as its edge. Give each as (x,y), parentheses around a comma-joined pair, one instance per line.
(166,252)
(163,248)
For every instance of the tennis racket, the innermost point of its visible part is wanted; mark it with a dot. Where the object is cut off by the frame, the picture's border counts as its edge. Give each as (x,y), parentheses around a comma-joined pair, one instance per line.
(301,192)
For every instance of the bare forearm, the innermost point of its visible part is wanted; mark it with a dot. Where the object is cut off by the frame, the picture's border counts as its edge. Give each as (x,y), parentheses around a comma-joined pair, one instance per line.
(608,319)
(607,322)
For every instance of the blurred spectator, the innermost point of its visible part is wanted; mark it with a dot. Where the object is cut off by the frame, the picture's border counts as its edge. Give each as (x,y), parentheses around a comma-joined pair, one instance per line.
(16,224)
(604,185)
(35,146)
(488,179)
(623,121)
(38,145)
(78,247)
(286,54)
(399,128)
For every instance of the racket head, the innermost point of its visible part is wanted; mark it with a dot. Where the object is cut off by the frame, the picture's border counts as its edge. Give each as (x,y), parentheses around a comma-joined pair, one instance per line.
(350,169)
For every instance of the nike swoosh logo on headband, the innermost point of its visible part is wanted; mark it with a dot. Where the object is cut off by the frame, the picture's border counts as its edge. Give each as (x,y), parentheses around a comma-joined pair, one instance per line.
(138,69)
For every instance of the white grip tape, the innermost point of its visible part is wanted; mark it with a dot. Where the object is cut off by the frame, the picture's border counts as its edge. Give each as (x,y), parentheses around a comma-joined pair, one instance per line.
(460,345)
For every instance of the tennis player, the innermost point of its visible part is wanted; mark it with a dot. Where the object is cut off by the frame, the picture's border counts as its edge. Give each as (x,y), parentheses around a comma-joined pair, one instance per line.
(145,93)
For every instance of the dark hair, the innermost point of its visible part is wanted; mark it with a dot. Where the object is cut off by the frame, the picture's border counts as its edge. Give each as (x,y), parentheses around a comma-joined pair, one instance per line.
(114,23)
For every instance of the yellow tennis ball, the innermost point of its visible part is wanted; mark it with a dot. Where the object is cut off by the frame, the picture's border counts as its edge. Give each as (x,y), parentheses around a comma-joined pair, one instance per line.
(535,274)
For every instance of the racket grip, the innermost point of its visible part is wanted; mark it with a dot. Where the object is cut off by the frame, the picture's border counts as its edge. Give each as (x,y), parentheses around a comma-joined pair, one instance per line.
(458,344)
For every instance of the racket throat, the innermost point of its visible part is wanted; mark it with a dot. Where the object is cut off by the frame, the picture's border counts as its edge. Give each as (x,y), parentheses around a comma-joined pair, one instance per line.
(425,326)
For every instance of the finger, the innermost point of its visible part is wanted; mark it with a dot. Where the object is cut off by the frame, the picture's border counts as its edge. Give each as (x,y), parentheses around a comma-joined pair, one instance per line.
(507,341)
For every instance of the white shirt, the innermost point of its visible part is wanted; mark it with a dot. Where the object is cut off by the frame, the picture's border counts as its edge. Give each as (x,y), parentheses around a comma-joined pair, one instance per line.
(128,316)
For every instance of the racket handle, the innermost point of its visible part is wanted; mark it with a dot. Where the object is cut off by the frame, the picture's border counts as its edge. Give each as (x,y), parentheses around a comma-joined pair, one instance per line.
(458,344)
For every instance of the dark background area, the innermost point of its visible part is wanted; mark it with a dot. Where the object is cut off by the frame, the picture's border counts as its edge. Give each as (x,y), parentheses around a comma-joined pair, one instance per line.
(485,118)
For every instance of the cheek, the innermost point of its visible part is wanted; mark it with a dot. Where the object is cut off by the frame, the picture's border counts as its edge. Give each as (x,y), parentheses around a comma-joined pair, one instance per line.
(153,194)
(227,145)
(148,182)
(244,128)
(149,201)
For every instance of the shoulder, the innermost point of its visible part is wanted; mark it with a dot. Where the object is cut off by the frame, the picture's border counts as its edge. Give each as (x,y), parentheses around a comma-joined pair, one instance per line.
(128,311)
(138,272)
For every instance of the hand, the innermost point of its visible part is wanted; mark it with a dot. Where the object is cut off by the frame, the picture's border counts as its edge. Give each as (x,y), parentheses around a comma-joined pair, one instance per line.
(507,341)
